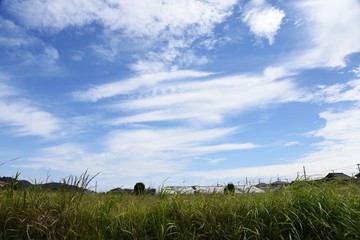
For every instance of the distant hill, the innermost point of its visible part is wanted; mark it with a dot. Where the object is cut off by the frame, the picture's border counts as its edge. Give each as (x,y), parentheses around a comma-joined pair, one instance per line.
(59,186)
(20,184)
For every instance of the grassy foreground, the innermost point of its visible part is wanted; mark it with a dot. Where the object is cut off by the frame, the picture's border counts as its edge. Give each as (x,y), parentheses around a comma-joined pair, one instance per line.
(302,211)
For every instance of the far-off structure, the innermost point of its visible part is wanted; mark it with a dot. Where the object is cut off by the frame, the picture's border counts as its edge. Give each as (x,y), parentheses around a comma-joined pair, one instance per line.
(209,189)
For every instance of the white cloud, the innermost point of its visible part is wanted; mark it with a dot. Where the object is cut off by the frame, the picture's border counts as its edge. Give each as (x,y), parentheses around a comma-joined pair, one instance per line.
(23,47)
(148,66)
(77,56)
(205,100)
(128,86)
(337,150)
(341,125)
(26,119)
(188,95)
(166,59)
(291,143)
(165,30)
(114,169)
(224,147)
(51,53)
(214,161)
(5,89)
(341,145)
(54,15)
(263,20)
(12,35)
(23,117)
(330,38)
(139,18)
(339,92)
(264,172)
(107,52)
(176,143)
(147,153)
(356,71)
(69,158)
(19,114)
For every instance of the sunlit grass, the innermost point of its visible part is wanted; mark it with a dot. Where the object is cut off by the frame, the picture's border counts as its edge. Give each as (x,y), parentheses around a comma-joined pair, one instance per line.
(301,211)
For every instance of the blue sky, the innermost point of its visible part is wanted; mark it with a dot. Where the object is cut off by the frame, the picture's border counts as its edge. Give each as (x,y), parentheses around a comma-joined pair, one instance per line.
(186,92)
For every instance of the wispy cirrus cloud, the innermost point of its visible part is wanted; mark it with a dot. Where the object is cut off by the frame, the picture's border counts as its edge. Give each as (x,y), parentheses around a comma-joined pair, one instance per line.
(22,116)
(177,142)
(338,148)
(340,92)
(151,151)
(24,47)
(356,71)
(194,96)
(128,86)
(5,89)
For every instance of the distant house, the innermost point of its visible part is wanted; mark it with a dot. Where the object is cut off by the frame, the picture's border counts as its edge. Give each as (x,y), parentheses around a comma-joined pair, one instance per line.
(122,190)
(337,176)
(151,191)
(357,175)
(278,184)
(262,186)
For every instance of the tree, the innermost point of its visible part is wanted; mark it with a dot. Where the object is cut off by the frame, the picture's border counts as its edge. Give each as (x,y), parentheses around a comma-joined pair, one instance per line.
(139,188)
(229,189)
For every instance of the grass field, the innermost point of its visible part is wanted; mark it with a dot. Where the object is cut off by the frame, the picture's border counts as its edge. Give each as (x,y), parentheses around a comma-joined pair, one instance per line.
(301,211)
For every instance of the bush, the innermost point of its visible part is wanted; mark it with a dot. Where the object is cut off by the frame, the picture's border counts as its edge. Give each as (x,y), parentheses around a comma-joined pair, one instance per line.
(139,188)
(229,189)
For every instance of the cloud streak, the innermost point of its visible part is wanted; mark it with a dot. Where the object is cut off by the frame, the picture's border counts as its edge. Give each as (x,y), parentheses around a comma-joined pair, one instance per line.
(203,100)
(22,116)
(339,146)
(128,86)
(151,151)
(23,46)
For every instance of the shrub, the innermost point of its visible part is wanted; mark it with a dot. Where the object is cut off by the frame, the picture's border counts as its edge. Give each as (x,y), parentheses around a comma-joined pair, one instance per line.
(139,188)
(229,189)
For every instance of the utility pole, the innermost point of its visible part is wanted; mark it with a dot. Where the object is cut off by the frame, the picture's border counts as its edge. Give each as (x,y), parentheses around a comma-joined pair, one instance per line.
(358,167)
(304,172)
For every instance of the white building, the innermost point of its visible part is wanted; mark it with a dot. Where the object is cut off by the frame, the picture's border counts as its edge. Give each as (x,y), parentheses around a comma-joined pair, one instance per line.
(208,189)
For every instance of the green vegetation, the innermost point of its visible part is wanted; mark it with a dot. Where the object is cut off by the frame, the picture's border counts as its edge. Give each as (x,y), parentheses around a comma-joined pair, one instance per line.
(300,211)
(139,188)
(229,189)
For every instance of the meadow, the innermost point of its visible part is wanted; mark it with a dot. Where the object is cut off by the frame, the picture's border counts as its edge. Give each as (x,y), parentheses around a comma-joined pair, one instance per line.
(300,211)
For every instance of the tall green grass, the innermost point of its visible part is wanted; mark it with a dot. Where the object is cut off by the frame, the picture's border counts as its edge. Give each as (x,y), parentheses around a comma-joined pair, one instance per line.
(301,211)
